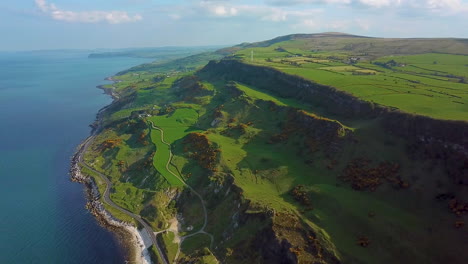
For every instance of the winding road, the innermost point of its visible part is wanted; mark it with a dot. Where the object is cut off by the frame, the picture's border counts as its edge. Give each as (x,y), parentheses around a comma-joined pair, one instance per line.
(205,222)
(109,201)
(138,218)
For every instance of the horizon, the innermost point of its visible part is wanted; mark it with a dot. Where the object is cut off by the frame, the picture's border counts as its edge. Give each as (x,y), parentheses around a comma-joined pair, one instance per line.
(104,49)
(64,24)
(107,49)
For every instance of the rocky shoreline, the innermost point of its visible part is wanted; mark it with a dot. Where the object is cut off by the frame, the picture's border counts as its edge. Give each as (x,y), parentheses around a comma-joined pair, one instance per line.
(128,235)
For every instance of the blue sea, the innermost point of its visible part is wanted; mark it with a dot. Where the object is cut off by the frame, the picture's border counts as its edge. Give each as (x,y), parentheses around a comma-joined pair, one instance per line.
(47,101)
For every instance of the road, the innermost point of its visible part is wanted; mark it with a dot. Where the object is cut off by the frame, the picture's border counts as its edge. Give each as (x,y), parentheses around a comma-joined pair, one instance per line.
(109,201)
(205,222)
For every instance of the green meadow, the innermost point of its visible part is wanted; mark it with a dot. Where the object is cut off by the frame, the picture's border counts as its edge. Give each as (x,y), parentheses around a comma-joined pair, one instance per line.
(431,84)
(175,126)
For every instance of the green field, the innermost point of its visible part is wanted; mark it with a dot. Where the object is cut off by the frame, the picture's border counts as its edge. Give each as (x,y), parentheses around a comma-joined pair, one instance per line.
(175,126)
(429,84)
(170,246)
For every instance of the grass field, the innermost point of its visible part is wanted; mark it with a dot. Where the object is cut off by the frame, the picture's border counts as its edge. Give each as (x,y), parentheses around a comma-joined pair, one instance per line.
(175,126)
(170,246)
(427,84)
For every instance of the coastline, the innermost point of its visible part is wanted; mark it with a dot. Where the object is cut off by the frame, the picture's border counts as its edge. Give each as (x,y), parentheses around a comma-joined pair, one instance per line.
(133,241)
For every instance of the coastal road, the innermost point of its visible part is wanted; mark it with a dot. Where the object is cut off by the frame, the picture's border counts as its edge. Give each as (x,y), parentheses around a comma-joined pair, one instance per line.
(109,201)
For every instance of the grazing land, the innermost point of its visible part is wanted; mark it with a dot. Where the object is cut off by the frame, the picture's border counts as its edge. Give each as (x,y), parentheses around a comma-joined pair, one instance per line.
(283,178)
(431,84)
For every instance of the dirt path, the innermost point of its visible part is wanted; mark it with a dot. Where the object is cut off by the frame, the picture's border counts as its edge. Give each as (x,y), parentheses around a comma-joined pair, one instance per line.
(205,222)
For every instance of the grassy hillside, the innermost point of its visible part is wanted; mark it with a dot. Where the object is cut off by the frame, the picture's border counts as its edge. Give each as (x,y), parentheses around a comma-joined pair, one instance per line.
(431,84)
(285,179)
(368,46)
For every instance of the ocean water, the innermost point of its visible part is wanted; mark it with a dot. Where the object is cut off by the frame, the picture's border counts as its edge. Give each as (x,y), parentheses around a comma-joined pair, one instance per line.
(47,101)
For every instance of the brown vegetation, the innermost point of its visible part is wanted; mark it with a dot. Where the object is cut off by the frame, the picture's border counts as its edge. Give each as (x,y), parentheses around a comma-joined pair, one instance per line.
(217,112)
(143,139)
(301,196)
(363,241)
(202,150)
(457,207)
(317,133)
(190,87)
(240,128)
(459,224)
(362,176)
(109,144)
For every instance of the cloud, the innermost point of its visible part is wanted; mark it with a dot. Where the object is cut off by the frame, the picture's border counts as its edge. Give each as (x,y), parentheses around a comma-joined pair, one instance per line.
(434,6)
(263,12)
(443,6)
(111,17)
(342,25)
(375,3)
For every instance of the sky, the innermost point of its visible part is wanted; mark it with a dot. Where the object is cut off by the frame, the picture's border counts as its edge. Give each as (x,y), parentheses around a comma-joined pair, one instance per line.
(91,24)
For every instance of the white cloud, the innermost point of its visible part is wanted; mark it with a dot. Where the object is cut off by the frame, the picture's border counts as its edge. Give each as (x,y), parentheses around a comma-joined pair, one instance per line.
(175,16)
(307,24)
(434,6)
(378,3)
(342,25)
(220,10)
(224,11)
(111,17)
(443,6)
(262,12)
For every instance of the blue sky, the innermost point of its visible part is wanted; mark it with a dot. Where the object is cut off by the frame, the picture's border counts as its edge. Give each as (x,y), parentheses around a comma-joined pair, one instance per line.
(88,24)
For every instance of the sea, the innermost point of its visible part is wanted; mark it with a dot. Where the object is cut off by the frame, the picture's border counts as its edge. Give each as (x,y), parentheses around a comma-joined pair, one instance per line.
(48,99)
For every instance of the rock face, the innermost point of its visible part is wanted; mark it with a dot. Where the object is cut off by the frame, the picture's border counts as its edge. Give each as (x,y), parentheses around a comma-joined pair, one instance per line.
(276,238)
(75,171)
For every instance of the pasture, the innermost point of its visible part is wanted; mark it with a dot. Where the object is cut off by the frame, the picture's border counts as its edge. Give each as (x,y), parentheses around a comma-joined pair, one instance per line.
(175,125)
(431,84)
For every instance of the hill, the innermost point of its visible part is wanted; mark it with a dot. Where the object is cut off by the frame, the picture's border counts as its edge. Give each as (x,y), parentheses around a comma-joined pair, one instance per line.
(346,43)
(420,76)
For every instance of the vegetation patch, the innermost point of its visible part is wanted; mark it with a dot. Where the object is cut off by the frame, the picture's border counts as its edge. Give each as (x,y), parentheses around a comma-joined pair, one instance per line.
(363,176)
(202,150)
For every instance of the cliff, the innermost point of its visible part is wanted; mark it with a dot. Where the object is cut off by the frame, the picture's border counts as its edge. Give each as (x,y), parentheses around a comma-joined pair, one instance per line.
(439,139)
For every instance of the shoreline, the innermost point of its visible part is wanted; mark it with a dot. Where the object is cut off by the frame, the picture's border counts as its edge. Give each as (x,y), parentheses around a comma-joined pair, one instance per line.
(130,238)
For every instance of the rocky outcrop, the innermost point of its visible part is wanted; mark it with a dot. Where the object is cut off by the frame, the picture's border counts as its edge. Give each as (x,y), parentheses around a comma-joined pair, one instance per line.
(318,133)
(190,87)
(263,235)
(282,238)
